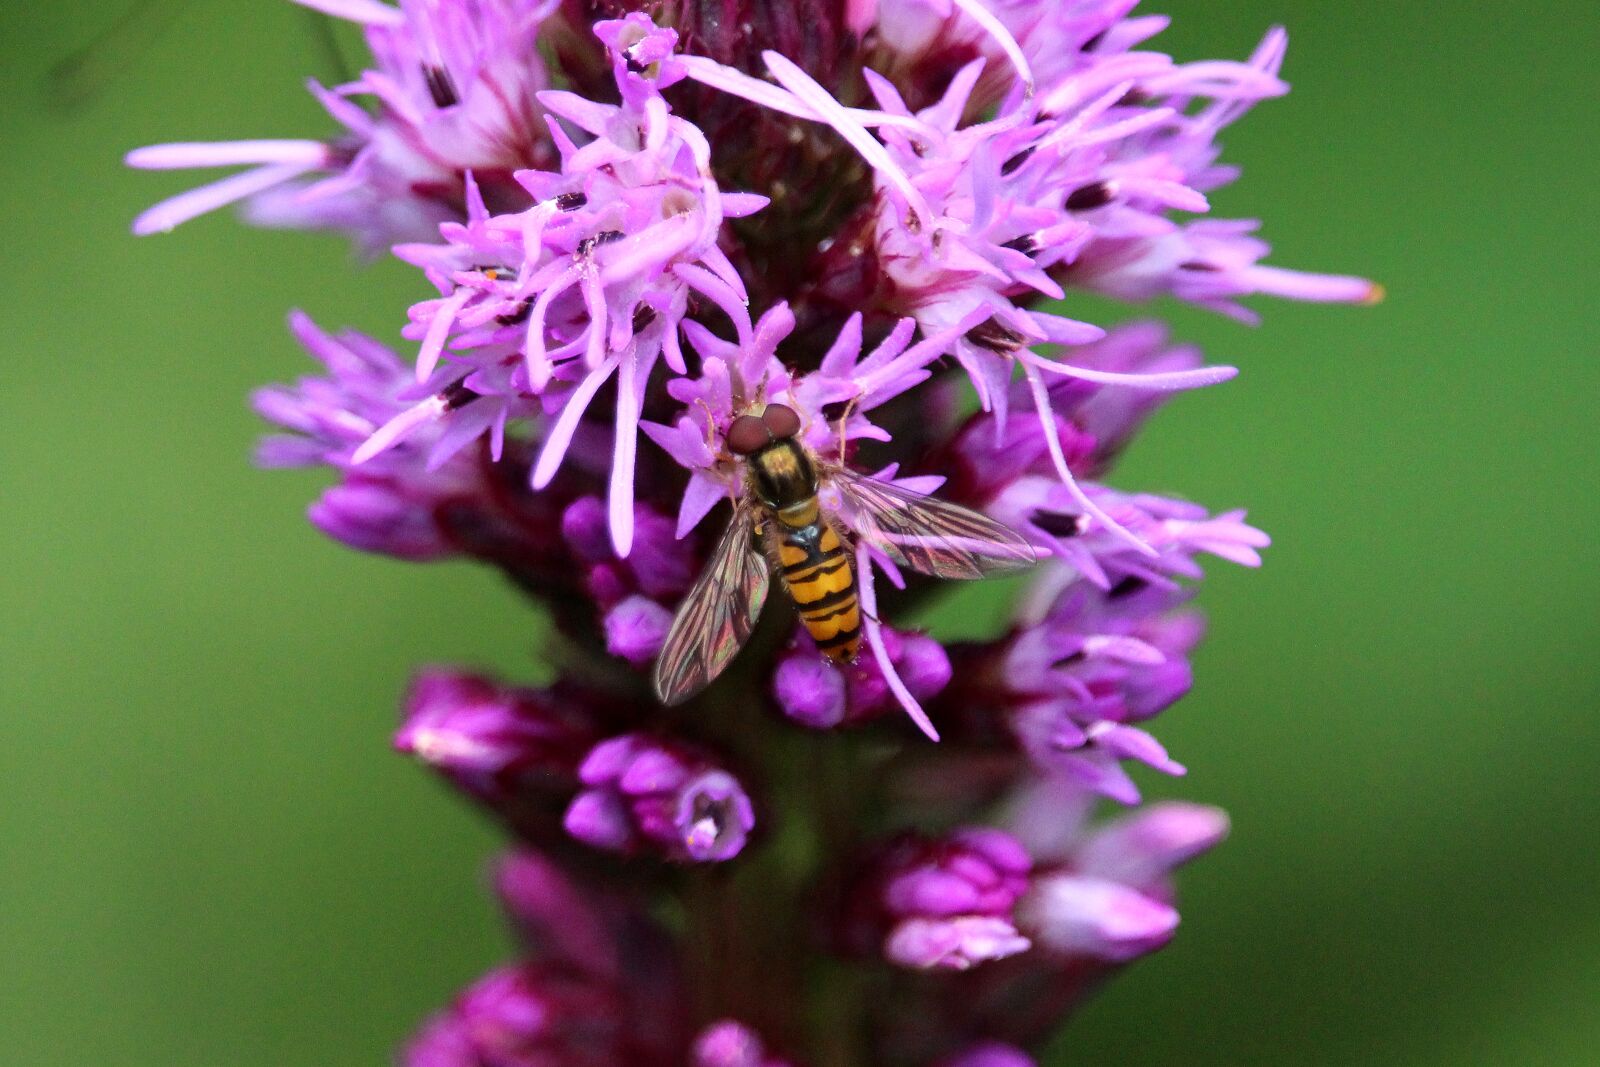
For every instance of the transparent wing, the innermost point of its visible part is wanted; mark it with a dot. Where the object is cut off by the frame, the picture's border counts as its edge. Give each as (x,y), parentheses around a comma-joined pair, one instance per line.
(927,534)
(716,615)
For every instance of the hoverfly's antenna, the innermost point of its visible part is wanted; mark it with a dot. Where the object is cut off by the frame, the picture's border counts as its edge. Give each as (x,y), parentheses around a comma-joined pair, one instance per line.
(711,424)
(844,419)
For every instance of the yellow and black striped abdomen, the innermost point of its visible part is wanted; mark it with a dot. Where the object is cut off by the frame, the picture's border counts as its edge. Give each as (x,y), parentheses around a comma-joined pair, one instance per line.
(821,578)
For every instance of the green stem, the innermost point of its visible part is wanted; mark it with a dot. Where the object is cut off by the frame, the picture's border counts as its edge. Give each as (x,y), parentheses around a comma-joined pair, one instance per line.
(755,953)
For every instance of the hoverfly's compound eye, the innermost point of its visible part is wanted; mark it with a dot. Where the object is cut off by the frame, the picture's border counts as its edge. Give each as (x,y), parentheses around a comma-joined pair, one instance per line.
(747,435)
(781,420)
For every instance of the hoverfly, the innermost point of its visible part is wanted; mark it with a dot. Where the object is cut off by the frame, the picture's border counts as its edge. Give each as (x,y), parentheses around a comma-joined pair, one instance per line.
(779,524)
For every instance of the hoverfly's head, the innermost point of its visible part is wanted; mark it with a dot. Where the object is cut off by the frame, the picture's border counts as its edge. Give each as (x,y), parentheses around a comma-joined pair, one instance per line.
(750,434)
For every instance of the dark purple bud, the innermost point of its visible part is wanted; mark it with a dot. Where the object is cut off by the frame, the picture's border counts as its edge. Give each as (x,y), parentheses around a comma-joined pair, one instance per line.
(440,86)
(996,337)
(1088,197)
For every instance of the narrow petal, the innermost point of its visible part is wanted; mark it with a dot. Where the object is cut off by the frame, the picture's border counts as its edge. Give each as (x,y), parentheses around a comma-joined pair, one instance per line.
(1162,381)
(710,73)
(444,316)
(699,498)
(398,429)
(869,619)
(366,12)
(980,14)
(1318,288)
(196,202)
(834,114)
(537,357)
(566,424)
(186,154)
(626,448)
(1052,438)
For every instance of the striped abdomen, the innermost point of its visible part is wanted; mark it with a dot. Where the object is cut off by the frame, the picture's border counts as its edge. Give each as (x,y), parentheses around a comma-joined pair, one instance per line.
(820,575)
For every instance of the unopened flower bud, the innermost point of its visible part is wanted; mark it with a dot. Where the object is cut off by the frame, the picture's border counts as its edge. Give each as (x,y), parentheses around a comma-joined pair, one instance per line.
(647,793)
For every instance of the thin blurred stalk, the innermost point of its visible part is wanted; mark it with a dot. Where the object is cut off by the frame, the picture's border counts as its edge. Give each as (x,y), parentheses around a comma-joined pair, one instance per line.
(78,79)
(327,42)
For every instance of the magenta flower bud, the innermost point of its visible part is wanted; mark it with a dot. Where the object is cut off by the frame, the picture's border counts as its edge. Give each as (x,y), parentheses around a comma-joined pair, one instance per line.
(923,665)
(1143,849)
(636,628)
(583,528)
(634,622)
(526,1016)
(494,742)
(565,921)
(662,565)
(647,793)
(730,1044)
(1104,894)
(581,928)
(814,692)
(607,584)
(810,690)
(1075,915)
(989,1054)
(944,903)
(377,515)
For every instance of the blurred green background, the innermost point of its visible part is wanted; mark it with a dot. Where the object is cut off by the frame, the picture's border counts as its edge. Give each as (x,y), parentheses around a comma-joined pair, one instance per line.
(210,857)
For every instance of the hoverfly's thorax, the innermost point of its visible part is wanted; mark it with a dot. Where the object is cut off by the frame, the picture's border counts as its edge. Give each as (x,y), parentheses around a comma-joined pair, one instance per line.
(782,478)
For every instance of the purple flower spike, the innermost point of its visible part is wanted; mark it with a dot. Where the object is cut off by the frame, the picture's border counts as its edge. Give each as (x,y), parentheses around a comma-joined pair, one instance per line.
(642,792)
(944,904)
(854,209)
